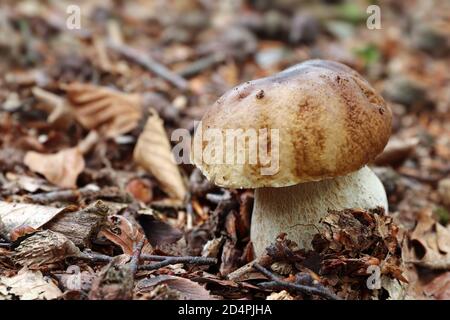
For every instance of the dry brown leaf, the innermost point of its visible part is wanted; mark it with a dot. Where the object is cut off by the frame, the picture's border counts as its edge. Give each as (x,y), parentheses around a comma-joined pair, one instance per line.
(140,189)
(439,287)
(158,233)
(111,112)
(29,184)
(61,168)
(154,154)
(188,289)
(21,215)
(28,285)
(282,295)
(123,233)
(430,243)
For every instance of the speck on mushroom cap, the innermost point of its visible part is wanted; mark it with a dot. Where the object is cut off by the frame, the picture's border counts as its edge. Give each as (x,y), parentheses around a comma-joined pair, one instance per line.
(331,122)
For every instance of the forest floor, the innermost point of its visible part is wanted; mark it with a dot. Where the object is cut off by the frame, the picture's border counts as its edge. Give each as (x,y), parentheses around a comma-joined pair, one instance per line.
(92,209)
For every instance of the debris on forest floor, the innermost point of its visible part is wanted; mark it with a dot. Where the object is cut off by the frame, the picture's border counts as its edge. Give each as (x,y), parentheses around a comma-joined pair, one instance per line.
(93,205)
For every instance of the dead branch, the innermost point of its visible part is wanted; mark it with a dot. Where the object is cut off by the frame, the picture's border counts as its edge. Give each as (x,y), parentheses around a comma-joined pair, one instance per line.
(276,282)
(165,261)
(162,261)
(150,64)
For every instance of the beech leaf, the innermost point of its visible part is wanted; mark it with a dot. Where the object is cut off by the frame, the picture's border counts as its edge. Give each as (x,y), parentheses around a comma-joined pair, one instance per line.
(28,285)
(154,154)
(21,215)
(110,111)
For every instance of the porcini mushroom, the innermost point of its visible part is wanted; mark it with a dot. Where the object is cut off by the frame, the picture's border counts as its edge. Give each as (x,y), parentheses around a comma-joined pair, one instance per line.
(329,124)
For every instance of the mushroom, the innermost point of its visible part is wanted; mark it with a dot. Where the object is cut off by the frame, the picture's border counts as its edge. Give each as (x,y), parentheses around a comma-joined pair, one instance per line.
(327,122)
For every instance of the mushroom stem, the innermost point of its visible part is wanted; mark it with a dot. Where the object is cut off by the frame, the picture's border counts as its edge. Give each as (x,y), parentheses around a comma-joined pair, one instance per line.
(297,210)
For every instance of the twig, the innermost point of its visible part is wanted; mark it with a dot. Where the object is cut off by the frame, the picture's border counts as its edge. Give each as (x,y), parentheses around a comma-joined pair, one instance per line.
(94,256)
(54,196)
(73,195)
(202,64)
(150,64)
(162,260)
(165,261)
(134,263)
(318,290)
(433,180)
(5,245)
(88,142)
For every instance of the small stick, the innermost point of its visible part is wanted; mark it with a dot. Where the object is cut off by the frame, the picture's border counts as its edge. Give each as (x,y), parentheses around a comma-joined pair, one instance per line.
(150,64)
(5,245)
(53,196)
(94,256)
(165,261)
(134,263)
(278,283)
(88,142)
(202,64)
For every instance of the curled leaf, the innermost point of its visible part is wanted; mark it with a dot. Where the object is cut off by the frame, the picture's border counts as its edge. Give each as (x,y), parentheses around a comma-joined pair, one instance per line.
(123,233)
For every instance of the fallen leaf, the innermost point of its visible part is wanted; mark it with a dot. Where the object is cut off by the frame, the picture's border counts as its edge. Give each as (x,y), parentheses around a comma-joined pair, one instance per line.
(439,287)
(158,232)
(140,189)
(62,168)
(21,232)
(429,243)
(29,184)
(188,289)
(21,215)
(282,295)
(28,285)
(153,153)
(110,111)
(123,233)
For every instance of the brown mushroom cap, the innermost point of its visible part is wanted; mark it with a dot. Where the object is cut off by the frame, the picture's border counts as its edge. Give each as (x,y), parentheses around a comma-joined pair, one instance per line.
(331,122)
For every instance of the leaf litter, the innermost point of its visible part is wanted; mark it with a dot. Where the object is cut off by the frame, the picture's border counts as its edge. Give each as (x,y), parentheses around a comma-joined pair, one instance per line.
(90,190)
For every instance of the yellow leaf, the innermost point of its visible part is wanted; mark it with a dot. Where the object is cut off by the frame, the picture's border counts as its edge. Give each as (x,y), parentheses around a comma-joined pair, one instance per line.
(154,154)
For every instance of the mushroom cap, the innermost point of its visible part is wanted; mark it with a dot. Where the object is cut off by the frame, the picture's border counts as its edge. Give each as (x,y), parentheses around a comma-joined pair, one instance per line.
(329,121)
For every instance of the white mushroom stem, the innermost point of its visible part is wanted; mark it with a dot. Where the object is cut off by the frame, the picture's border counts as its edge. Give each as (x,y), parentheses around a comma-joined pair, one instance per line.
(296,210)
